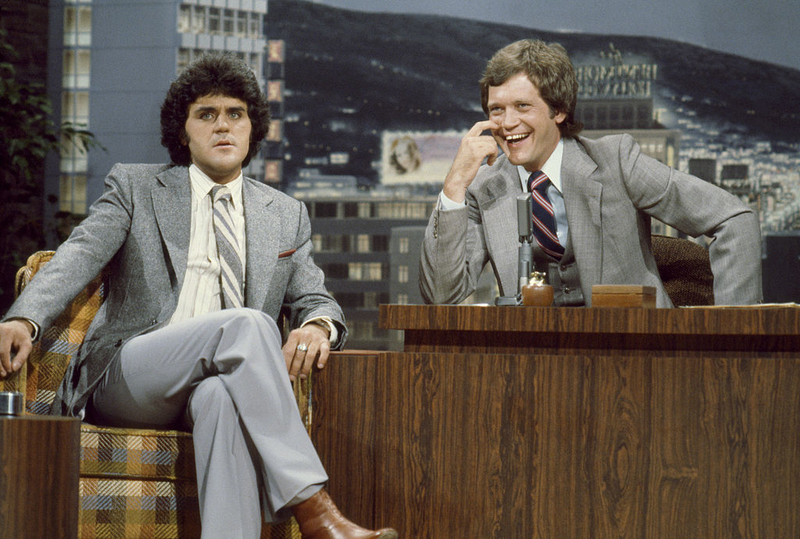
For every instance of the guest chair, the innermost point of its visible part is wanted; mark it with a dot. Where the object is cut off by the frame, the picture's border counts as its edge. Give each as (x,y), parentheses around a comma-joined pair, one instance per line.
(685,270)
(134,483)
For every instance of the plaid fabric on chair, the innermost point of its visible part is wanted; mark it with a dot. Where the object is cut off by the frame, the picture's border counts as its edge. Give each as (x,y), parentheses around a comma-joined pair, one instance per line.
(134,483)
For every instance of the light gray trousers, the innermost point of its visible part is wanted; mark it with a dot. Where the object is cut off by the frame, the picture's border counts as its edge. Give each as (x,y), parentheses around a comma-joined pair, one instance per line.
(223,372)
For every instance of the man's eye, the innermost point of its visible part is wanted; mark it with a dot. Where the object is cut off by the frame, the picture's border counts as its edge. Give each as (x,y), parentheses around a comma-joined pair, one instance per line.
(206,116)
(236,115)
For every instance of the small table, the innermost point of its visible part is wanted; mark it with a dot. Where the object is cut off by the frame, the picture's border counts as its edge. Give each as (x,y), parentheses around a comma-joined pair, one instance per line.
(39,467)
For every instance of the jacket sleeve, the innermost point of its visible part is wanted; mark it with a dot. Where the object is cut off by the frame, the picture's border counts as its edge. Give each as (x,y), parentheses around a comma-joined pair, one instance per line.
(453,254)
(696,207)
(306,296)
(81,257)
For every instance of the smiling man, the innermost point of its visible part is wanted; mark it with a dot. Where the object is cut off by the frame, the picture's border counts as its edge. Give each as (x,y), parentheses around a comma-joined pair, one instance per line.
(593,199)
(202,261)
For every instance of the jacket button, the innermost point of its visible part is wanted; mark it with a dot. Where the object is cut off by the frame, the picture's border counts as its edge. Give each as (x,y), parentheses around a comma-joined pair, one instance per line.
(118,343)
(567,290)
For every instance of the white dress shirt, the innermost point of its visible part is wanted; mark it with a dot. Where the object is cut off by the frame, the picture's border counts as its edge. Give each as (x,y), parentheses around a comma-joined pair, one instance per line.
(201,291)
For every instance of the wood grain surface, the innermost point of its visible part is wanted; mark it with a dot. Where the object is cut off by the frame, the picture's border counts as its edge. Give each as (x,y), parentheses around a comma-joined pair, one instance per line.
(39,477)
(564,444)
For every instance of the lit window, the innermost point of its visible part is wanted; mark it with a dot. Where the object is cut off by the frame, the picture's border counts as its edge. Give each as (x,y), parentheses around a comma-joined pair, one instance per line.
(198,20)
(355,271)
(362,243)
(402,274)
(185,19)
(72,191)
(403,247)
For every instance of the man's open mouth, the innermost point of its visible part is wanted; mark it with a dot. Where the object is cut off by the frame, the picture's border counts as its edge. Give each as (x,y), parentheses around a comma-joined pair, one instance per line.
(511,139)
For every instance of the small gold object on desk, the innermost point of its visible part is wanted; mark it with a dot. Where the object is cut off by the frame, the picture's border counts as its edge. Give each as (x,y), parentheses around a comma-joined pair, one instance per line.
(623,295)
(537,293)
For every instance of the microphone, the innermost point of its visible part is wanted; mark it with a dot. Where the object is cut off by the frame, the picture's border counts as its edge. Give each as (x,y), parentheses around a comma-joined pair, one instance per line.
(524,216)
(525,257)
(525,229)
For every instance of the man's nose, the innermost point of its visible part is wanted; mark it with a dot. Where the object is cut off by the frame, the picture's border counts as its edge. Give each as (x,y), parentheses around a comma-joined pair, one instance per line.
(222,123)
(510,118)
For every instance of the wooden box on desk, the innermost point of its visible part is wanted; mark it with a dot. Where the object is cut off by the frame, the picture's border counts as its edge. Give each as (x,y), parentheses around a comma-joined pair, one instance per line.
(616,295)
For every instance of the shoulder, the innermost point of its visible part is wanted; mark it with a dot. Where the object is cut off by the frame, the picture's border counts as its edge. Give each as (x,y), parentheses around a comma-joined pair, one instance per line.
(271,195)
(143,169)
(608,143)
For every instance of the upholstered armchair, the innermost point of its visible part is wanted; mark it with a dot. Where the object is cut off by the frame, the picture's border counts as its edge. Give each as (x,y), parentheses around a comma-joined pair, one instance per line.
(685,270)
(134,483)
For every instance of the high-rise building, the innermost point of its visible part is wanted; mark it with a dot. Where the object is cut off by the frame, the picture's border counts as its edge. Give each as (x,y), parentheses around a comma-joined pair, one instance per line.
(110,64)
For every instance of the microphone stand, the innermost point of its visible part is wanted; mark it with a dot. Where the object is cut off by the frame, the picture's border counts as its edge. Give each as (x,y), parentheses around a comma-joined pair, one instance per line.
(525,252)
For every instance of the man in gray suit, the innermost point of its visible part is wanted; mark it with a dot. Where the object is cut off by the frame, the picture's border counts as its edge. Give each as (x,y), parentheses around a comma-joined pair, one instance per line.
(595,198)
(202,262)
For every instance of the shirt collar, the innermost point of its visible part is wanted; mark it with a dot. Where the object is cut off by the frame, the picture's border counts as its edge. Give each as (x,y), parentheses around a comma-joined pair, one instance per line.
(202,185)
(552,167)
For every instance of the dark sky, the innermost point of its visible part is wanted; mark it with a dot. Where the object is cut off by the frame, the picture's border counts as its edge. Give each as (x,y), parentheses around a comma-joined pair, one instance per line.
(758,29)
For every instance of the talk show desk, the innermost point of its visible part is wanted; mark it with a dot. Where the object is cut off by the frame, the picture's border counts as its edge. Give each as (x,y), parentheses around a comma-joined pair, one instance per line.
(561,423)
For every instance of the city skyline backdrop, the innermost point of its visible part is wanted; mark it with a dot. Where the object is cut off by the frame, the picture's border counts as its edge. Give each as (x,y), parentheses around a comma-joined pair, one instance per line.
(763,30)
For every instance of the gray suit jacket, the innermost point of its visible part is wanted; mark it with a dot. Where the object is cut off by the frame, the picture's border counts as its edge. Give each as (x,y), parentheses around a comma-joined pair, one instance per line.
(610,190)
(140,228)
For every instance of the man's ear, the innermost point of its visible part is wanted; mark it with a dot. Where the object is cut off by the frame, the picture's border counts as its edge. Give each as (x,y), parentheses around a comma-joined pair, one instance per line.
(184,138)
(560,117)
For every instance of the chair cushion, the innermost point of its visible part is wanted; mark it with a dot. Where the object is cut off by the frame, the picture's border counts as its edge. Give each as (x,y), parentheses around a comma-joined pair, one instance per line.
(137,508)
(154,455)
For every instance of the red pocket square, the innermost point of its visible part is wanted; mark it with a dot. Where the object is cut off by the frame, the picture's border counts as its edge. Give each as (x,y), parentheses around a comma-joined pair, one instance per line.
(284,254)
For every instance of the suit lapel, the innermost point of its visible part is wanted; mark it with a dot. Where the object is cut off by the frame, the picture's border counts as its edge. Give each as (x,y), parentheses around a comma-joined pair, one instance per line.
(172,205)
(500,216)
(582,197)
(261,226)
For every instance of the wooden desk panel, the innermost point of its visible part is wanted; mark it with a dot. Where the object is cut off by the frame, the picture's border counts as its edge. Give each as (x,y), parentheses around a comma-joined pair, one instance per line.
(39,465)
(637,440)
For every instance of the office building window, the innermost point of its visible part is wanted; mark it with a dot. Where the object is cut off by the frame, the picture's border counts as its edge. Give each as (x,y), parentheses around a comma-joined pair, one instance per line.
(254,28)
(402,274)
(402,299)
(185,19)
(214,20)
(380,244)
(325,209)
(362,243)
(229,22)
(241,23)
(75,108)
(78,26)
(72,195)
(403,245)
(77,68)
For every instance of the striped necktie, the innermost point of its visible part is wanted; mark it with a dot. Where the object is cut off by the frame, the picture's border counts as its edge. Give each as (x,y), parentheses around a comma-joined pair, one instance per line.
(544,221)
(230,256)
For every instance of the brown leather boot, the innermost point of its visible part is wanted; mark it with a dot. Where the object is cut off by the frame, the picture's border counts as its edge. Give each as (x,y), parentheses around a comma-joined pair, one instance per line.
(320,519)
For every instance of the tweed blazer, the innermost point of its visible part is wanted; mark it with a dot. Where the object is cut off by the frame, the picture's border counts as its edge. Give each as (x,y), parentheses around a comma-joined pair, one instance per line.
(140,228)
(610,189)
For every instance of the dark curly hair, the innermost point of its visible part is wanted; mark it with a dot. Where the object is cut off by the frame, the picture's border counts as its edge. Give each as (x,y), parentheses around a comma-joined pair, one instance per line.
(548,67)
(212,74)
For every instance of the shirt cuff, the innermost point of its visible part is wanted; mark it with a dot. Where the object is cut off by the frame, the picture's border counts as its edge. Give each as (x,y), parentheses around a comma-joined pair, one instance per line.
(327,322)
(448,204)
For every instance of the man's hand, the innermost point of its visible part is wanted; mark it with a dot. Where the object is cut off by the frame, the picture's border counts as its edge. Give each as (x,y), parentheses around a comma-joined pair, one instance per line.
(15,345)
(304,346)
(474,148)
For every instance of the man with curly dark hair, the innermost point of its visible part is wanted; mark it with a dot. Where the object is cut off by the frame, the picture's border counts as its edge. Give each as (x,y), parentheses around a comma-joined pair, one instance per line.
(202,262)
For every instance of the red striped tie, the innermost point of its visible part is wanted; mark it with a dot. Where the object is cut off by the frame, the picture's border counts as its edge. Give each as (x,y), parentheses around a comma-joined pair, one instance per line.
(544,221)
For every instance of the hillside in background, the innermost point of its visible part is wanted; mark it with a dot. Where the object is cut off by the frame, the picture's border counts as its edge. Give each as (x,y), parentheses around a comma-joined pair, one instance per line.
(418,72)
